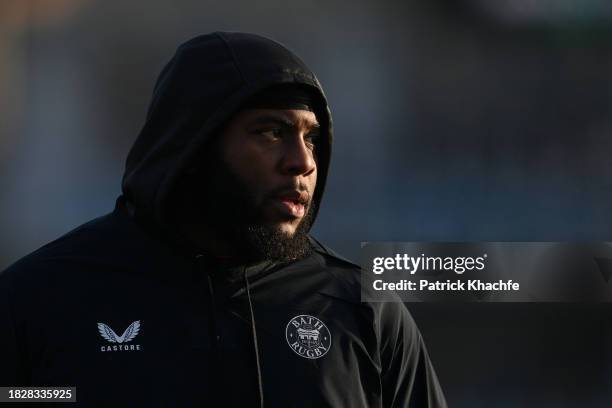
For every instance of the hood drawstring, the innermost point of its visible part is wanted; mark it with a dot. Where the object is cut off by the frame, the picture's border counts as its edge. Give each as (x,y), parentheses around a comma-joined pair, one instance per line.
(255,343)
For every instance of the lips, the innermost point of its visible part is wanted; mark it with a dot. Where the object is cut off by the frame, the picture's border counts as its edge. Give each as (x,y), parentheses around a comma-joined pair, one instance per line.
(293,203)
(294,209)
(299,197)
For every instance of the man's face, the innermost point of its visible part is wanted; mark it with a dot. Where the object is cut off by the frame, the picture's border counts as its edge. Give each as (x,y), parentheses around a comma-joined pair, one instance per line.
(271,152)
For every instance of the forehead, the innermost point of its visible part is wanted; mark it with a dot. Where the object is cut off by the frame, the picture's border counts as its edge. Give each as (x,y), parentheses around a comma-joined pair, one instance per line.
(298,118)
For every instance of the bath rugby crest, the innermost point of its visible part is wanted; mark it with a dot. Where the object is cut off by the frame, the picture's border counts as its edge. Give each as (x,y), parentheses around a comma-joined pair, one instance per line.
(308,336)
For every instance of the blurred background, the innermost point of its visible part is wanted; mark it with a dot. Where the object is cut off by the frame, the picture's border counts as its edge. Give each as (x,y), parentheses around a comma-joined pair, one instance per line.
(454,120)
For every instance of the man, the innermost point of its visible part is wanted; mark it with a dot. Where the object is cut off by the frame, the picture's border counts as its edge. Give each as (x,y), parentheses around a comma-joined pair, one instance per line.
(203,287)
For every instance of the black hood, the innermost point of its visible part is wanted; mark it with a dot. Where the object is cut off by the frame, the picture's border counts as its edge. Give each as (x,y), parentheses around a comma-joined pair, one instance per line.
(209,78)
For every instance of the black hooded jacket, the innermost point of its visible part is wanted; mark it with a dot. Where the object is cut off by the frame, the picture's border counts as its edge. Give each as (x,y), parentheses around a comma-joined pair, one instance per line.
(131,317)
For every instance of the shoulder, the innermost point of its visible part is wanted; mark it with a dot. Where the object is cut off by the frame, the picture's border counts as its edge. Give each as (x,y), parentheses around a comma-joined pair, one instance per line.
(34,287)
(79,245)
(343,276)
(349,282)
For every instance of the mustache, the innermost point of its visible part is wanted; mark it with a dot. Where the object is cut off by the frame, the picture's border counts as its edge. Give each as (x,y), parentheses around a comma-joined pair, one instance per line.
(294,192)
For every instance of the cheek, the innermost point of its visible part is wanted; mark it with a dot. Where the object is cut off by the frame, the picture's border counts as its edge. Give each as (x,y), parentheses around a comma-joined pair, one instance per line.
(312,179)
(254,169)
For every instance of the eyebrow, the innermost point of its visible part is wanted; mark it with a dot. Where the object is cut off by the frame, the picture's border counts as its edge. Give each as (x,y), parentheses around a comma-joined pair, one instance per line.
(282,121)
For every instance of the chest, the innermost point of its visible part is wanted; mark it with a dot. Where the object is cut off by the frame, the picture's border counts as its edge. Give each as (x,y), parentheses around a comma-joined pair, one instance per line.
(161,345)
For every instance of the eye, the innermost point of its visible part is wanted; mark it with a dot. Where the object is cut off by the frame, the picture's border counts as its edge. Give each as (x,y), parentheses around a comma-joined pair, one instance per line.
(270,134)
(311,140)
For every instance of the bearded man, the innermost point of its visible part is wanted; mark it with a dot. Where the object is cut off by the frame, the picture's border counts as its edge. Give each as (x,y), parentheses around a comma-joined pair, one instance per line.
(203,286)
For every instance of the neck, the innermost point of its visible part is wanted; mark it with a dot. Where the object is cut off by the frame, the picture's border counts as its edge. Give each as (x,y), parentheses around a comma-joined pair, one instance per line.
(205,239)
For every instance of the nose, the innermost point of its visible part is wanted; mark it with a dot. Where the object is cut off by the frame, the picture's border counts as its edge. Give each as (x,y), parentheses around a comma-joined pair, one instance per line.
(298,158)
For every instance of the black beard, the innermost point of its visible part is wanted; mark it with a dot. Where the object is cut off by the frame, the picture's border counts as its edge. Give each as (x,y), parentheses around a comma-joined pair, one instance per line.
(225,205)
(267,242)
